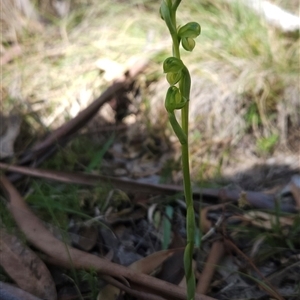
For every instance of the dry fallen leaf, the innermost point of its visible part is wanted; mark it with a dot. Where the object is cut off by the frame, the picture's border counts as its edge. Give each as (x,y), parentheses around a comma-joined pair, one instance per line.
(206,223)
(84,236)
(172,269)
(150,263)
(146,265)
(25,267)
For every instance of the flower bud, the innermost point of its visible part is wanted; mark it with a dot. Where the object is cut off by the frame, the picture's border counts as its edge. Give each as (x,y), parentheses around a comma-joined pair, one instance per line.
(188,44)
(163,10)
(173,99)
(173,78)
(189,30)
(173,65)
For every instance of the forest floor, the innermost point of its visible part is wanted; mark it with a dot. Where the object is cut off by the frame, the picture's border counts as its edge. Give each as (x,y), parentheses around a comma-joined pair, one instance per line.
(100,166)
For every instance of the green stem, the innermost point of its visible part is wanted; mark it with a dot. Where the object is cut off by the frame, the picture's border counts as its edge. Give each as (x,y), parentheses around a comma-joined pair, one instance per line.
(176,4)
(182,134)
(176,52)
(177,129)
(190,217)
(185,156)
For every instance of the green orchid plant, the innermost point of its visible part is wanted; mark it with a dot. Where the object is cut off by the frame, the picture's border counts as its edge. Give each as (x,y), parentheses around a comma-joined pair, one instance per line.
(177,98)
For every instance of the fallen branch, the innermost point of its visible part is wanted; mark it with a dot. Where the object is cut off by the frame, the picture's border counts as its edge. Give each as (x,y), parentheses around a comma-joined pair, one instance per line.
(256,199)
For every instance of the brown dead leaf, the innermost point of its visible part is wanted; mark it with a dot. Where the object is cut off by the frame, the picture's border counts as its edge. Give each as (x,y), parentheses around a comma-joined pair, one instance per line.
(25,267)
(84,236)
(207,224)
(150,263)
(147,265)
(172,269)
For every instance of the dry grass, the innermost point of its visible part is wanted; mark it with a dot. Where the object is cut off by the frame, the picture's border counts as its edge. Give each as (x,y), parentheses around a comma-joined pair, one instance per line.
(245,74)
(245,93)
(57,73)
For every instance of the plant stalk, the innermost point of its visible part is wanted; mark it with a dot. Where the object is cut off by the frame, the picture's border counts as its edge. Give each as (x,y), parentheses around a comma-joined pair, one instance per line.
(178,98)
(190,215)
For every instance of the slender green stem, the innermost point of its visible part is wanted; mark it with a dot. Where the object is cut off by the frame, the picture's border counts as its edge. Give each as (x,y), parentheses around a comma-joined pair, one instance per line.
(175,99)
(176,4)
(185,156)
(177,129)
(176,52)
(190,220)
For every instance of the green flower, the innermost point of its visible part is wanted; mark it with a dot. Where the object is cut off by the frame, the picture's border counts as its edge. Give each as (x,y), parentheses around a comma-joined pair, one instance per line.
(188,44)
(173,65)
(165,14)
(174,100)
(164,10)
(189,30)
(173,78)
(187,33)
